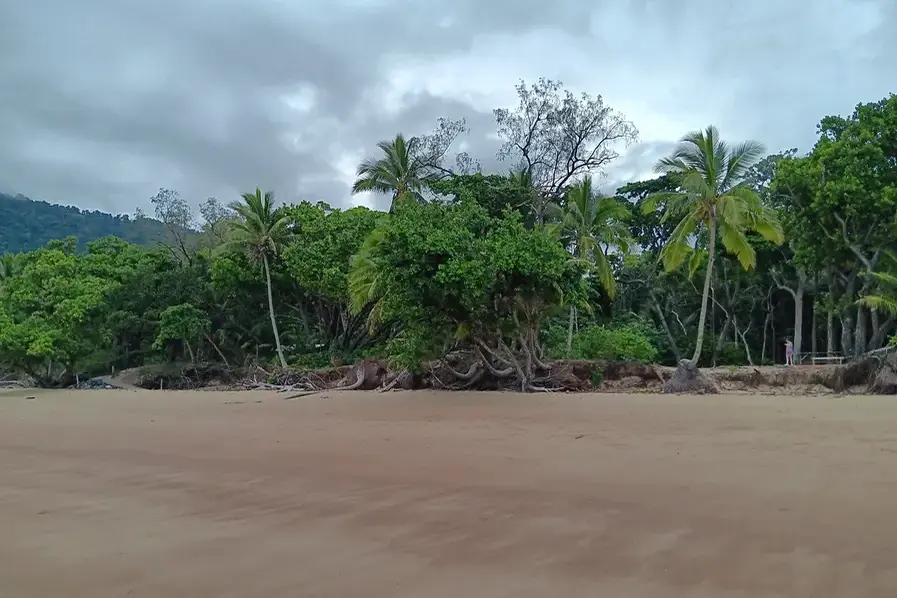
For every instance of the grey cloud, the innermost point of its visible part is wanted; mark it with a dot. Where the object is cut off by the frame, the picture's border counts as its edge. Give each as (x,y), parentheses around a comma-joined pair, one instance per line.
(636,164)
(102,101)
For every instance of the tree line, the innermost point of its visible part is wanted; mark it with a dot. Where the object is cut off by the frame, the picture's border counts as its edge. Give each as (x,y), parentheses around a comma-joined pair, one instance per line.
(722,257)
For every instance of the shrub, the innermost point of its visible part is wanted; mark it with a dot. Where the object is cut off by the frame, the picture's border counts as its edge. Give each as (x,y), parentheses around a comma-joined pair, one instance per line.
(411,349)
(625,343)
(731,353)
(554,340)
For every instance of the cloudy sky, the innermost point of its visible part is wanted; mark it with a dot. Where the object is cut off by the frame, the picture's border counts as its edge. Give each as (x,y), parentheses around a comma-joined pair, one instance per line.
(104,101)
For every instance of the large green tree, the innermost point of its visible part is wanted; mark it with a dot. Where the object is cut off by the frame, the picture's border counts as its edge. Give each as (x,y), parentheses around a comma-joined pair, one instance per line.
(840,202)
(715,198)
(495,192)
(182,324)
(259,231)
(317,257)
(450,274)
(49,315)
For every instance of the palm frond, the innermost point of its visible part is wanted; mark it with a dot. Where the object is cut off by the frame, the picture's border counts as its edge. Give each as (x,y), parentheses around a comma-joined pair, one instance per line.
(657,201)
(740,160)
(602,269)
(885,278)
(257,229)
(736,243)
(698,258)
(677,248)
(887,305)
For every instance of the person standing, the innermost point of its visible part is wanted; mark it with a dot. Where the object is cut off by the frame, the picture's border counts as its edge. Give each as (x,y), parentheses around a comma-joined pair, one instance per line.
(789,352)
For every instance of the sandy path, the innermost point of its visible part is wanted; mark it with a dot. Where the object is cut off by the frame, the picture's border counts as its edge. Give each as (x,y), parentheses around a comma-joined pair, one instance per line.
(425,495)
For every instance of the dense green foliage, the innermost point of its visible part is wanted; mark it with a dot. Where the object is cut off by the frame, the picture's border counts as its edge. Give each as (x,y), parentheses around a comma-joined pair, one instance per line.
(511,269)
(632,341)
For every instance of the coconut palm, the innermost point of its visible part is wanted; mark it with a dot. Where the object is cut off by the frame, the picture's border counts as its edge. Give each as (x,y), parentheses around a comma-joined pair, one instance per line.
(399,172)
(713,197)
(258,231)
(590,224)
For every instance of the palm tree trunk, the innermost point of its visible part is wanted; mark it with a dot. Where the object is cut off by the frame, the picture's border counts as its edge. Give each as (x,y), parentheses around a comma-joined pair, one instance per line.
(702,319)
(283,362)
(570,331)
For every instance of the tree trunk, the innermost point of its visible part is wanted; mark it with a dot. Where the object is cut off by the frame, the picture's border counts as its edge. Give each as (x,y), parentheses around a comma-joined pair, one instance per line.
(190,351)
(859,336)
(743,335)
(721,340)
(218,350)
(875,321)
(830,332)
(283,362)
(798,320)
(705,295)
(830,315)
(880,333)
(570,332)
(766,323)
(666,328)
(846,335)
(813,346)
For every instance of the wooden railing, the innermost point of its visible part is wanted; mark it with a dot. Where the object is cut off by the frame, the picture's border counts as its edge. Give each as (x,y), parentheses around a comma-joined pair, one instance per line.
(822,358)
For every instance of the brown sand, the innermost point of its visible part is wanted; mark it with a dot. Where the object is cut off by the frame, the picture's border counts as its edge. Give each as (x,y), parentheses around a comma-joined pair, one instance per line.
(425,495)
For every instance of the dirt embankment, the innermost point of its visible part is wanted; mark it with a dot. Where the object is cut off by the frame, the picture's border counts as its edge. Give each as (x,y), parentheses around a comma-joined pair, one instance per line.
(876,375)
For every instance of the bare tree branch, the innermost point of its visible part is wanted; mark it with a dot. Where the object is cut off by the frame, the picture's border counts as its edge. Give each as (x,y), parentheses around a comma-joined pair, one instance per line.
(557,136)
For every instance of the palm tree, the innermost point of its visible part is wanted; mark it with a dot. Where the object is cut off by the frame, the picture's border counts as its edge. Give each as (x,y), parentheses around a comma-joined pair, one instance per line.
(258,231)
(590,224)
(398,172)
(713,195)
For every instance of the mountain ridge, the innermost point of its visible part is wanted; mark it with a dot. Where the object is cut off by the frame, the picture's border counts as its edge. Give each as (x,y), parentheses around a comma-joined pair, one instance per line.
(27,224)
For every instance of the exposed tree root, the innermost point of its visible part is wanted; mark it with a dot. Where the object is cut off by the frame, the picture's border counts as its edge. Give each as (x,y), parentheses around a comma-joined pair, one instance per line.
(354,386)
(499,366)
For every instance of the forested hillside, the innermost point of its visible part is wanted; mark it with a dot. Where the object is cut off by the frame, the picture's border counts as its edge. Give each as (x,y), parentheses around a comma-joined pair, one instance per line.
(26,224)
(723,258)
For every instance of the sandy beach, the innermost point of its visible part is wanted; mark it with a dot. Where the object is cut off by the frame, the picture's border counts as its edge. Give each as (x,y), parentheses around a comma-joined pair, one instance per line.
(427,494)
